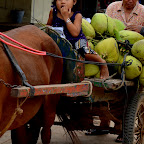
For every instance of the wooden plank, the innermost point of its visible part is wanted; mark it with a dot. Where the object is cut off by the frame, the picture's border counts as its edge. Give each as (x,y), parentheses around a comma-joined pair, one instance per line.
(110,84)
(71,90)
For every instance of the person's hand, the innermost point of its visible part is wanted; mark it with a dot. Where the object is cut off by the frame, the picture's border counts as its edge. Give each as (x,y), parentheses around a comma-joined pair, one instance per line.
(65,12)
(136,28)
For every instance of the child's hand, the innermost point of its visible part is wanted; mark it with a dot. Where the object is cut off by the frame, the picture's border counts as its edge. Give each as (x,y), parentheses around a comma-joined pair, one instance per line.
(65,12)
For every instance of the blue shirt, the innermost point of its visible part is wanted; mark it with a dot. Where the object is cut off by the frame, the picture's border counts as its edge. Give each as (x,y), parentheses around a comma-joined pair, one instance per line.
(57,22)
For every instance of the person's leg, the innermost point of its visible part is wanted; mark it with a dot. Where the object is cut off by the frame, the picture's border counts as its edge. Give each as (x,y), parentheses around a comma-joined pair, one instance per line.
(104,73)
(90,55)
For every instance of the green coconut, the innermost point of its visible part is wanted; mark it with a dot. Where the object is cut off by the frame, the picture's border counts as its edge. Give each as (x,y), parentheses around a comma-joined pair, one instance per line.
(103,24)
(118,61)
(117,35)
(108,50)
(87,29)
(141,77)
(119,24)
(132,36)
(111,26)
(91,70)
(91,45)
(134,69)
(137,50)
(99,22)
(97,75)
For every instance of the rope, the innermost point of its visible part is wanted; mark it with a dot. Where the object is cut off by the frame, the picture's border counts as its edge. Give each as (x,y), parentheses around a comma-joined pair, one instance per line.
(103,80)
(9,124)
(18,111)
(125,63)
(114,89)
(90,89)
(85,62)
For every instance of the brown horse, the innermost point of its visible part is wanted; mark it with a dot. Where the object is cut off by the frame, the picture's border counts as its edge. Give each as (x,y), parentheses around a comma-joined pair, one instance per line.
(39,70)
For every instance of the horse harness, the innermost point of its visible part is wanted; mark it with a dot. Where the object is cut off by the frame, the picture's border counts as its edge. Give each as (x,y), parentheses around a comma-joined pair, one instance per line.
(18,69)
(18,109)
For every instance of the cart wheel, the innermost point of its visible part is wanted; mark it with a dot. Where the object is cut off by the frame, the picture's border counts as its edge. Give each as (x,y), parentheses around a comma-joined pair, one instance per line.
(134,121)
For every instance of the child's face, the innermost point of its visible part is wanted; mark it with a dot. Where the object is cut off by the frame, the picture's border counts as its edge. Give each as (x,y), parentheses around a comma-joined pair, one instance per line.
(62,3)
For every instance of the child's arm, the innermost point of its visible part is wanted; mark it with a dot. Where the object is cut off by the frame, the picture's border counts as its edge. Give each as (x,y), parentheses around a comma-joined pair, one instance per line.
(73,28)
(50,19)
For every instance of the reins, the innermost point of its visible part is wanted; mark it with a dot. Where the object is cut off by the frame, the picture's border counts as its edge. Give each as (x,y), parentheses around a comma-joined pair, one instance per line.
(24,47)
(44,53)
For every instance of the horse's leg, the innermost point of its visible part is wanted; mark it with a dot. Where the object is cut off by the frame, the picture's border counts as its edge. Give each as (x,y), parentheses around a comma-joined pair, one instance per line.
(49,106)
(34,133)
(34,127)
(25,135)
(19,135)
(28,133)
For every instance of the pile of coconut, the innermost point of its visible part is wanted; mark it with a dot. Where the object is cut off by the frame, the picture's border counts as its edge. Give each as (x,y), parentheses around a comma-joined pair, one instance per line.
(105,36)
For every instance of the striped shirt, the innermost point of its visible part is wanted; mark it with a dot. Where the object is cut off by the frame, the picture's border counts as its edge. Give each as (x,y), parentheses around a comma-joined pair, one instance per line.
(115,10)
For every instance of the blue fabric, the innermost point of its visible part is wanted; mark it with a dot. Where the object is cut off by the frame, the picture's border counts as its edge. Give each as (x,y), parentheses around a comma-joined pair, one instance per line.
(57,22)
(142,31)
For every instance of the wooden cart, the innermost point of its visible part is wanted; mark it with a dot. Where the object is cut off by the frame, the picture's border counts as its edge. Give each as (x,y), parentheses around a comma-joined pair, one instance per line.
(114,99)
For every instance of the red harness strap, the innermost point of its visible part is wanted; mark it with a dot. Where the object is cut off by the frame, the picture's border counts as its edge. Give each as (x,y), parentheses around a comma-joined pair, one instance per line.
(24,47)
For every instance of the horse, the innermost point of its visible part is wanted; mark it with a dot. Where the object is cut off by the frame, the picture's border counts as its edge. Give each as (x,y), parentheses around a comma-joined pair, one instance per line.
(39,70)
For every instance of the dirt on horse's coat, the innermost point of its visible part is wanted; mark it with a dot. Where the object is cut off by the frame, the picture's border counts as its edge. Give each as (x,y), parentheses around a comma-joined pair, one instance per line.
(39,70)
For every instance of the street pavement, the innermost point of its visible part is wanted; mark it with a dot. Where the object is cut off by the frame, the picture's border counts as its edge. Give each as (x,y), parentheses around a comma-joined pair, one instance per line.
(59,136)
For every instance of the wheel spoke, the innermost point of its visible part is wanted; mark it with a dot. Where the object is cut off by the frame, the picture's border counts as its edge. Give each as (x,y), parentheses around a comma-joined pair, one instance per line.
(141,113)
(135,139)
(139,130)
(138,140)
(137,123)
(138,126)
(139,118)
(137,133)
(141,110)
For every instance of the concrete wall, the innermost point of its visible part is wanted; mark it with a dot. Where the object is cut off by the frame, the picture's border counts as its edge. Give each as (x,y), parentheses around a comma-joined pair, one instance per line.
(40,10)
(7,5)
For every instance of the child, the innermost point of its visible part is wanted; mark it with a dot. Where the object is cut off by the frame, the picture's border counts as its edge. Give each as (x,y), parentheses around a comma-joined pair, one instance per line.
(63,14)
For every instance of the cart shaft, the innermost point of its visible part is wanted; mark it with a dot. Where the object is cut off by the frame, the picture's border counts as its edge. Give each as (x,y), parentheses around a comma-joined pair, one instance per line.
(70,90)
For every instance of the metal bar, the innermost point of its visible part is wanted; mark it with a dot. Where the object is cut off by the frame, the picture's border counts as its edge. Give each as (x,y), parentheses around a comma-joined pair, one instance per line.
(70,90)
